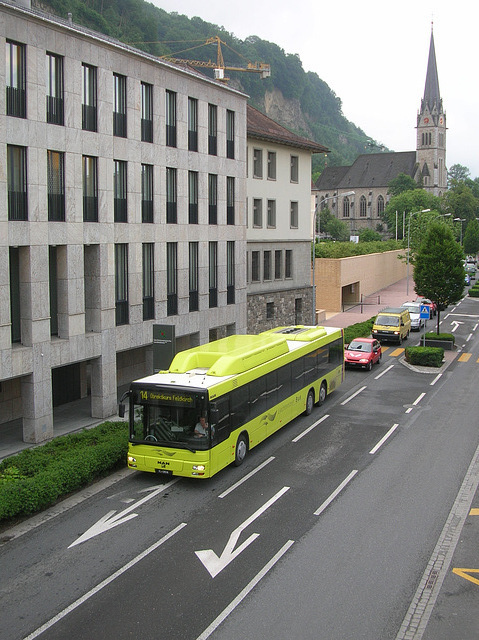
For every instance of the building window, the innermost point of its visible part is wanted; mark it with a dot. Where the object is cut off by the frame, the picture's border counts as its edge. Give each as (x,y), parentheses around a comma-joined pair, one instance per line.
(192,124)
(293,215)
(147,193)
(170,119)
(17,182)
(294,168)
(212,198)
(148,281)
(230,200)
(171,196)
(257,213)
(53,289)
(120,191)
(212,129)
(230,272)
(193,276)
(54,71)
(380,205)
(89,98)
(271,216)
(269,310)
(15,312)
(288,263)
(257,163)
(16,79)
(298,311)
(230,134)
(56,185)
(213,273)
(255,266)
(346,207)
(363,207)
(119,105)
(278,265)
(271,165)
(121,284)
(90,189)
(267,265)
(171,278)
(146,112)
(193,197)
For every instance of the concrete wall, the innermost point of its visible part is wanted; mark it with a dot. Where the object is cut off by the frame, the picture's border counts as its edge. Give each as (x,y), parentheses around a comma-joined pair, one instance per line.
(343,280)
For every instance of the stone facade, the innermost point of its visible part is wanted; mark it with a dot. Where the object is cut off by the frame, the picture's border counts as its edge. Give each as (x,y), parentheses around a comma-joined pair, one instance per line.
(75,289)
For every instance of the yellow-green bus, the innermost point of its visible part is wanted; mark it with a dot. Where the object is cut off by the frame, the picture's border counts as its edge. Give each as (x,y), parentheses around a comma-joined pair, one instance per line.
(244,387)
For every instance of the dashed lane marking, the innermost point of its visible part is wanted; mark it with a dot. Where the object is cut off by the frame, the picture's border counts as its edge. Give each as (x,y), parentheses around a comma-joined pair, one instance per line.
(464,357)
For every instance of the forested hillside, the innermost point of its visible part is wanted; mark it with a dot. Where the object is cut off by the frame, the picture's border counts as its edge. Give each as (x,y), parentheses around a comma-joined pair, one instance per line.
(297,99)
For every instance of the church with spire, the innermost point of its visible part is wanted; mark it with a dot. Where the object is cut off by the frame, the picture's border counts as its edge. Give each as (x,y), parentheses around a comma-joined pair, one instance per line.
(366,181)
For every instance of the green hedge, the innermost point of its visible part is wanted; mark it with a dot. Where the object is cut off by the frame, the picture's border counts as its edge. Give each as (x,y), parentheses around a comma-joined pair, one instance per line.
(474,292)
(425,356)
(358,330)
(430,335)
(36,478)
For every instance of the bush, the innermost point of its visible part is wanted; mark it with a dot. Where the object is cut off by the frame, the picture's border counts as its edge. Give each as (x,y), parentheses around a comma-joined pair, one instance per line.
(473,292)
(358,330)
(425,356)
(36,478)
(430,335)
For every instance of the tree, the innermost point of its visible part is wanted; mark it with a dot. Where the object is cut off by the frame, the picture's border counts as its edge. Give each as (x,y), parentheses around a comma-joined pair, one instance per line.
(471,238)
(438,268)
(407,202)
(460,201)
(457,173)
(369,235)
(338,230)
(401,183)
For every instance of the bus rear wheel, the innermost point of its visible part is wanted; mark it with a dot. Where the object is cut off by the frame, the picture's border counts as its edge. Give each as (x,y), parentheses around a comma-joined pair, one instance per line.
(241,450)
(323,392)
(309,403)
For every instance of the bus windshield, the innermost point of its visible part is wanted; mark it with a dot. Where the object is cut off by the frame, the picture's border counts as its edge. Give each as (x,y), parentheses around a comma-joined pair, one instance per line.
(169,425)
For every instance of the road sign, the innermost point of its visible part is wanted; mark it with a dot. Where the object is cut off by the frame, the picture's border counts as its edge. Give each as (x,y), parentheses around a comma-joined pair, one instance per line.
(424,312)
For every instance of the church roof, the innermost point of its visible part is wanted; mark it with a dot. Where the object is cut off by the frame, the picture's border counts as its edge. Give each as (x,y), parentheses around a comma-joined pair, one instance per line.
(432,96)
(367,171)
(261,127)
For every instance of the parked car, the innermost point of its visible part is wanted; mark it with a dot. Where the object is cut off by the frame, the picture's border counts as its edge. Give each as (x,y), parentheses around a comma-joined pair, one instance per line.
(432,306)
(414,309)
(467,279)
(392,325)
(363,353)
(471,270)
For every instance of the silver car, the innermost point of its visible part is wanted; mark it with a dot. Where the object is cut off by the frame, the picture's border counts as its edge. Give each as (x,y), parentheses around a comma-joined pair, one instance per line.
(414,309)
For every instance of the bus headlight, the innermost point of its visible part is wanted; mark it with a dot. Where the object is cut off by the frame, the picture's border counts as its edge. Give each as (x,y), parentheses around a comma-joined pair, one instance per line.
(131,461)
(198,467)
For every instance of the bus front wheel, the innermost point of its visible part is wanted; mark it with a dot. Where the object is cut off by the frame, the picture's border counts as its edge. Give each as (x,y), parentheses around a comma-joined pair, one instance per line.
(323,392)
(241,450)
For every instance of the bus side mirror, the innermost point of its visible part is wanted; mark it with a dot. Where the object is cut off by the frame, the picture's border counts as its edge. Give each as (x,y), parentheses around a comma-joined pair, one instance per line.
(121,410)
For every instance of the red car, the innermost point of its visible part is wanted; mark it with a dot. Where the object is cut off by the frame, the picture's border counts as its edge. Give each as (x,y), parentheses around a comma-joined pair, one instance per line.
(362,352)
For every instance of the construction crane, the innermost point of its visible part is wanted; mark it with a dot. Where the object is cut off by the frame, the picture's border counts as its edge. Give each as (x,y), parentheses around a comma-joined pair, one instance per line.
(219,66)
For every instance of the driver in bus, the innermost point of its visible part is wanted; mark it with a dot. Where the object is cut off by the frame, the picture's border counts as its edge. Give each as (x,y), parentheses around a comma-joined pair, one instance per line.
(201,429)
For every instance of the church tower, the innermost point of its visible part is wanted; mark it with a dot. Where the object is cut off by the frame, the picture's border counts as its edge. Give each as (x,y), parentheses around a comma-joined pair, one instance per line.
(431,131)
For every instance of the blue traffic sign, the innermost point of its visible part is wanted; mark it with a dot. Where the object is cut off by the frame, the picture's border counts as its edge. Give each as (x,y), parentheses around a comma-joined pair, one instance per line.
(424,312)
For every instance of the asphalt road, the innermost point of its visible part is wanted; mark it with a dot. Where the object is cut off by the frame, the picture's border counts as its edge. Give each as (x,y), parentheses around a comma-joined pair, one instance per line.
(327,531)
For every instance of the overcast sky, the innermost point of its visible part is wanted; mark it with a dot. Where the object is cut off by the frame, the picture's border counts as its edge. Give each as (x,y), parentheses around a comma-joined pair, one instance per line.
(373,55)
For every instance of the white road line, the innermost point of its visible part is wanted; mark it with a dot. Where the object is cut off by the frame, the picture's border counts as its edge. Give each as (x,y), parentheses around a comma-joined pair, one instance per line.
(384,438)
(383,372)
(246,477)
(418,399)
(103,584)
(336,492)
(310,428)
(469,337)
(242,595)
(435,380)
(354,395)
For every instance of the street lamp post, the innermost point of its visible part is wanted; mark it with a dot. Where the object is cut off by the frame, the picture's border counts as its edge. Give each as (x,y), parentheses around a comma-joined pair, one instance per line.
(408,236)
(461,220)
(317,215)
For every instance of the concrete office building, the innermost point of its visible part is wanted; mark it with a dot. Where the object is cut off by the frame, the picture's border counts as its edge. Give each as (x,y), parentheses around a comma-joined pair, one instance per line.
(121,207)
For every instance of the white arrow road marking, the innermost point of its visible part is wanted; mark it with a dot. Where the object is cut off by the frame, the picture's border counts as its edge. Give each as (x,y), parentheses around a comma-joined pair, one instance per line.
(457,323)
(215,564)
(110,520)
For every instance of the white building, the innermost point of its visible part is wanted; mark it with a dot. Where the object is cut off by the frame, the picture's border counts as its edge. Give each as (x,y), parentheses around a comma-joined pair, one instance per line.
(279,231)
(121,207)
